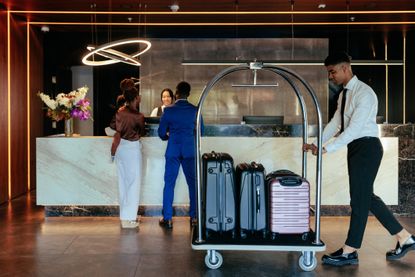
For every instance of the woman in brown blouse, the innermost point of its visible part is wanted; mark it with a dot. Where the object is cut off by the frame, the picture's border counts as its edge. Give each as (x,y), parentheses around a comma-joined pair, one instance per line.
(126,148)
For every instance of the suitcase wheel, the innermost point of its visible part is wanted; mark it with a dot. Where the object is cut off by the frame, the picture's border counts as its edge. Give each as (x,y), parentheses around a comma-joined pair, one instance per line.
(243,234)
(264,234)
(274,236)
(305,236)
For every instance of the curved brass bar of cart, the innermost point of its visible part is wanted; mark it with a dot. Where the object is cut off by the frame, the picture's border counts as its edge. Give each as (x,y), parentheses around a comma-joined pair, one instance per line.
(287,75)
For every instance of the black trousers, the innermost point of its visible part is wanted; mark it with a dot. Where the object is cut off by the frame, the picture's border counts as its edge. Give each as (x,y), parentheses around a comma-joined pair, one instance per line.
(363,160)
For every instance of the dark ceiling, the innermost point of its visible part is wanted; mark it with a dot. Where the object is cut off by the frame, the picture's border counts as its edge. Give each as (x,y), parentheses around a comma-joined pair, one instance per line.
(211,5)
(360,11)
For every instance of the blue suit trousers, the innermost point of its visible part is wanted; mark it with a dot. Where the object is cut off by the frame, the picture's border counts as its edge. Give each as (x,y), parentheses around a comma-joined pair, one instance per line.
(170,176)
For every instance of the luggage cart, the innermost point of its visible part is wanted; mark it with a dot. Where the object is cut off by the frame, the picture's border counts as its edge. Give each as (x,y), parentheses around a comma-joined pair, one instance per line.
(308,245)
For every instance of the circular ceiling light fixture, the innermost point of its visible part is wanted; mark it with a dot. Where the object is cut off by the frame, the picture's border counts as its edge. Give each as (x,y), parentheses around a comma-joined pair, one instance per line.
(111,55)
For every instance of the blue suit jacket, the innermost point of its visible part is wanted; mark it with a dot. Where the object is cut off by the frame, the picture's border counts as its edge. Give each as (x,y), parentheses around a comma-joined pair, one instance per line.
(179,121)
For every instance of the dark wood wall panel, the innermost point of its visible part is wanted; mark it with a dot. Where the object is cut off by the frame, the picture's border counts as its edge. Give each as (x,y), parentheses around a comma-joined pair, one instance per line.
(410,73)
(3,108)
(18,109)
(36,84)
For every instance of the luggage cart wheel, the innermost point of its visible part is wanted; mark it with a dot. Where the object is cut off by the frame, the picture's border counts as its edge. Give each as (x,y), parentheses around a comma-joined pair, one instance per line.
(307,261)
(213,259)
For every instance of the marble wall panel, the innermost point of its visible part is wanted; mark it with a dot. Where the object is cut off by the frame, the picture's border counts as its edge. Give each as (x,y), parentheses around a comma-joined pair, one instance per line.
(162,67)
(406,134)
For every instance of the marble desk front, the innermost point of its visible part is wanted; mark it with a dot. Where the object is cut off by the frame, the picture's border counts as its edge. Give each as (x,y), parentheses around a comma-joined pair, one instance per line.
(78,170)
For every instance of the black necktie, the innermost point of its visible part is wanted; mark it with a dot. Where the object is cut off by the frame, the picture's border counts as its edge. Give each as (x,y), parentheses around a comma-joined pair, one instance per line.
(342,109)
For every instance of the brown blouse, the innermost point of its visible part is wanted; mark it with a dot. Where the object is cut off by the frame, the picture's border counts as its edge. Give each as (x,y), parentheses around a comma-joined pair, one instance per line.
(129,124)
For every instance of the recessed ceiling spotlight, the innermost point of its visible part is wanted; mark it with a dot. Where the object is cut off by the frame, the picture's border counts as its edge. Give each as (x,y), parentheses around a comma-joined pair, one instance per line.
(174,7)
(322,6)
(45,28)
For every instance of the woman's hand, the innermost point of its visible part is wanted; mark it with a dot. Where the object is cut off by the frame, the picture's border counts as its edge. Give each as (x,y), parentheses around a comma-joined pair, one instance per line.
(115,142)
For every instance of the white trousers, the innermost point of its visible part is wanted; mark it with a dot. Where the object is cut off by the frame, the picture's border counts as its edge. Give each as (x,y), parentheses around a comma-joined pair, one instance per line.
(128,159)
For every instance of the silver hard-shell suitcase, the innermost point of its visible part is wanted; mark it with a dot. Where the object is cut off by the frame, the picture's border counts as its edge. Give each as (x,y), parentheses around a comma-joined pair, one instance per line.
(219,204)
(252,199)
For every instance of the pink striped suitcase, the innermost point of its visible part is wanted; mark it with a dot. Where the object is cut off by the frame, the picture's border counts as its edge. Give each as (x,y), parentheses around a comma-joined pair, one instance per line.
(289,205)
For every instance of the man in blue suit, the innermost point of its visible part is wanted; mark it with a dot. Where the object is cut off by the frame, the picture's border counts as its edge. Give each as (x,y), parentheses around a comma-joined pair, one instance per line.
(178,126)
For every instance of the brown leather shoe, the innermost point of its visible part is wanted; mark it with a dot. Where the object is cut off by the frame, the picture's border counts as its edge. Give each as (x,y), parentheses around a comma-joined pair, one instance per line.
(166,223)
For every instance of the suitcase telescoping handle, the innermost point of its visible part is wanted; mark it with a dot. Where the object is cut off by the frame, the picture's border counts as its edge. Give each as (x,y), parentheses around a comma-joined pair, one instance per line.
(255,166)
(258,200)
(256,187)
(290,181)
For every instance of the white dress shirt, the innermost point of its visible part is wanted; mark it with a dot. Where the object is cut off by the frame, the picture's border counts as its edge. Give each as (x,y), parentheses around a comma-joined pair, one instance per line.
(359,116)
(154,112)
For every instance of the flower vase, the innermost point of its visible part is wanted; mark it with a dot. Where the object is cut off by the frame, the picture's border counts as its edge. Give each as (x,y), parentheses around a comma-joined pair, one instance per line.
(69,127)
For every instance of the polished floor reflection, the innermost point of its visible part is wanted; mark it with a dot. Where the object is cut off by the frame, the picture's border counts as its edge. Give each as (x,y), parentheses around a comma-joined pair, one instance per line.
(32,245)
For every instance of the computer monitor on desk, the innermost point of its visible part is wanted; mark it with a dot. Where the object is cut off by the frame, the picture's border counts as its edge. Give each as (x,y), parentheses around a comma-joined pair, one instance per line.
(263,119)
(152,120)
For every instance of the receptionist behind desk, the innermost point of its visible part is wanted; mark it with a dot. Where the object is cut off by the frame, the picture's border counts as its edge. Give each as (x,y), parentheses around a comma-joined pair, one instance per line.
(167,98)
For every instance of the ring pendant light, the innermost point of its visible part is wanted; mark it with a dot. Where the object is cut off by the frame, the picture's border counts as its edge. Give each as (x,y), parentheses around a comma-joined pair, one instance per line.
(114,56)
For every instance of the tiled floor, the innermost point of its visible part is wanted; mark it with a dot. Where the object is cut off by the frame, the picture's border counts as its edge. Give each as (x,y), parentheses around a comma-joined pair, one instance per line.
(32,245)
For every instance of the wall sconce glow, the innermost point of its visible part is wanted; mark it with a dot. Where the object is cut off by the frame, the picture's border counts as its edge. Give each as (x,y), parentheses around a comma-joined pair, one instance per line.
(112,56)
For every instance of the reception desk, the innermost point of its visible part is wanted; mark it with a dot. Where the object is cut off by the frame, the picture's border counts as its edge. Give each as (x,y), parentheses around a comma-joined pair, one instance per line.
(78,171)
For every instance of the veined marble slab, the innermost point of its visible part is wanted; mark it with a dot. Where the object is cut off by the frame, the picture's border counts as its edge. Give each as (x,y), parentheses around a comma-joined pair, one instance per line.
(78,170)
